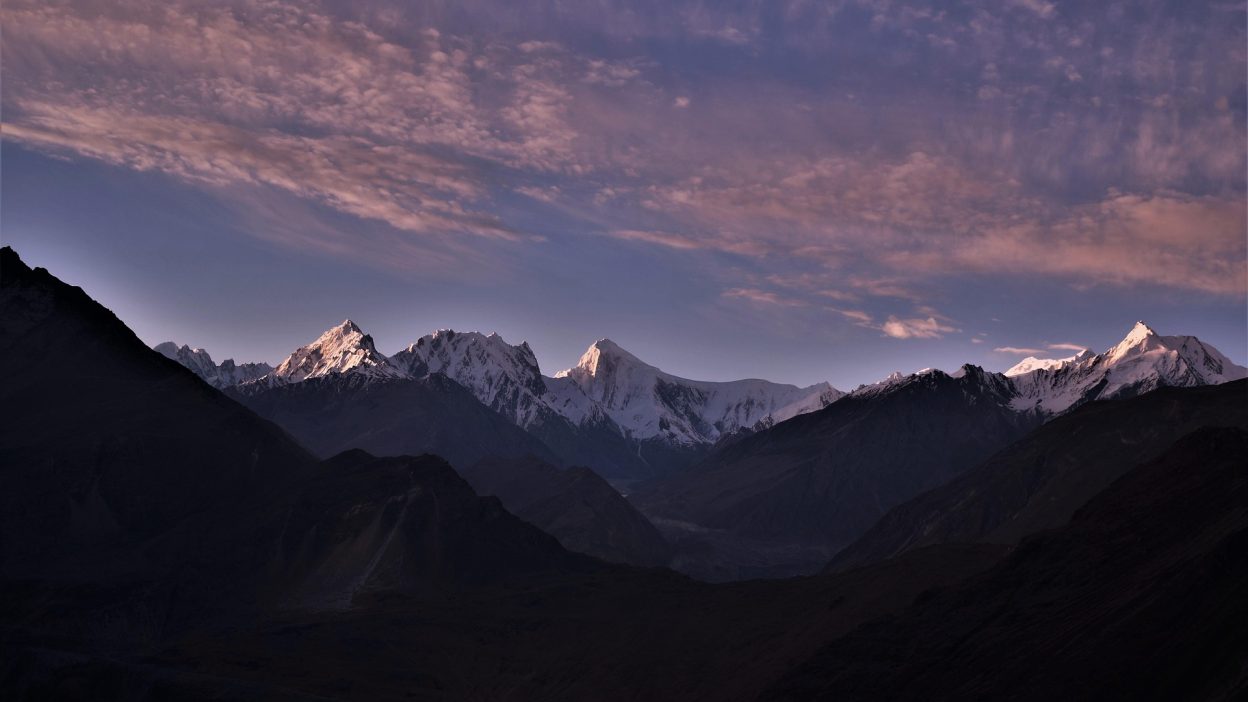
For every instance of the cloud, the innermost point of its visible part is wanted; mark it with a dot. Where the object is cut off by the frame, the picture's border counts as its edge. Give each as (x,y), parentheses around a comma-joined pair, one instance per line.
(1067,347)
(927,215)
(1080,146)
(412,134)
(405,188)
(1041,8)
(915,328)
(762,297)
(685,242)
(1018,351)
(858,316)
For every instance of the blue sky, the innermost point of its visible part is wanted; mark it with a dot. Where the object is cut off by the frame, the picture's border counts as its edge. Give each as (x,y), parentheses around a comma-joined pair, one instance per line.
(791,190)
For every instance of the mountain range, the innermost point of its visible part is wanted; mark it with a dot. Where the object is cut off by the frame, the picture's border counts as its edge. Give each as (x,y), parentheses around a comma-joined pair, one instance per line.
(631,420)
(613,411)
(160,540)
(743,479)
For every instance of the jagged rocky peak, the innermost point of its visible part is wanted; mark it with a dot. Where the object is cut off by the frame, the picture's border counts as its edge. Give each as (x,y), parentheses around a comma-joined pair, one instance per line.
(342,349)
(501,375)
(200,363)
(448,348)
(197,360)
(603,356)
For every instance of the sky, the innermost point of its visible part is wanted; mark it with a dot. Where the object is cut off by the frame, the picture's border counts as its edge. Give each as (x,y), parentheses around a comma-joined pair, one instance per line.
(794,190)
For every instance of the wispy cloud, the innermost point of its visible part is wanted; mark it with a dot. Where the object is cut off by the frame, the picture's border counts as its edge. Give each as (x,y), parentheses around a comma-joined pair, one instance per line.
(1019,351)
(1061,142)
(1067,347)
(928,328)
(764,297)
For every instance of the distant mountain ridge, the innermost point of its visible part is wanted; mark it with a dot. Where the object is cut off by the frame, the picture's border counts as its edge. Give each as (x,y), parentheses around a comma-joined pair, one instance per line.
(225,375)
(1141,362)
(631,420)
(612,411)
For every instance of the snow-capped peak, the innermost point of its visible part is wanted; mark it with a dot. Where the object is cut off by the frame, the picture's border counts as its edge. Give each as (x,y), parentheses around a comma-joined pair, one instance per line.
(503,376)
(1143,361)
(1140,339)
(602,356)
(649,403)
(1032,363)
(344,348)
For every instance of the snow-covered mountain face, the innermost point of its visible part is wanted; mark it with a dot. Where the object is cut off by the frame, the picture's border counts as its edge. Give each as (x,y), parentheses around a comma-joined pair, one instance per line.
(200,363)
(609,386)
(1031,363)
(505,378)
(648,403)
(343,349)
(1141,362)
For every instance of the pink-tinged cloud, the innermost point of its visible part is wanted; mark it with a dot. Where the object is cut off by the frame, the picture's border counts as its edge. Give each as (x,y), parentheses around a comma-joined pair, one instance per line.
(284,95)
(382,118)
(763,297)
(685,242)
(1067,347)
(1018,351)
(858,316)
(917,328)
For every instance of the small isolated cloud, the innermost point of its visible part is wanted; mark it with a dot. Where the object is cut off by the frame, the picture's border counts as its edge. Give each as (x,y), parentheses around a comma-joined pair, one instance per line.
(858,316)
(915,328)
(975,340)
(1068,347)
(548,194)
(762,297)
(668,239)
(1018,351)
(1043,9)
(681,102)
(684,242)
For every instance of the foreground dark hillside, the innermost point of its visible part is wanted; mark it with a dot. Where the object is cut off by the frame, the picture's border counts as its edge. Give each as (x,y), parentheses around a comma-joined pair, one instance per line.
(575,505)
(1039,482)
(391,417)
(1140,597)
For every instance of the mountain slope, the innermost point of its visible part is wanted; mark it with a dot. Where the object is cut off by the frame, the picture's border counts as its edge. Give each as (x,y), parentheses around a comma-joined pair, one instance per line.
(390,417)
(823,478)
(575,506)
(1039,482)
(1139,597)
(104,441)
(359,526)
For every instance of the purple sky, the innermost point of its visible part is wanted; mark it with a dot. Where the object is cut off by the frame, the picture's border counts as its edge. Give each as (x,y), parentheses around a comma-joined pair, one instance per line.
(793,190)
